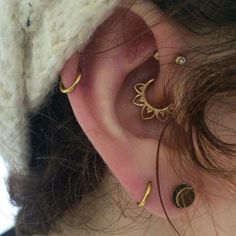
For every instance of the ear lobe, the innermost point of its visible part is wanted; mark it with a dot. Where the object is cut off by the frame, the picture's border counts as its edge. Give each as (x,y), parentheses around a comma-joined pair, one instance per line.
(102,104)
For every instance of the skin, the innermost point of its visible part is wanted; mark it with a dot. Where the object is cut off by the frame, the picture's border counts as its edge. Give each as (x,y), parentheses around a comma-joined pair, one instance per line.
(102,104)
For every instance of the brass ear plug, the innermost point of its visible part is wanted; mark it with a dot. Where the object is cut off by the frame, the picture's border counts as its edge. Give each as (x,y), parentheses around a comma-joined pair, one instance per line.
(183,196)
(181,60)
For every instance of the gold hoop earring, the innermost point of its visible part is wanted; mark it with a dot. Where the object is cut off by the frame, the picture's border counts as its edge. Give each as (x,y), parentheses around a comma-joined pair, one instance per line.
(146,195)
(71,88)
(148,111)
(183,196)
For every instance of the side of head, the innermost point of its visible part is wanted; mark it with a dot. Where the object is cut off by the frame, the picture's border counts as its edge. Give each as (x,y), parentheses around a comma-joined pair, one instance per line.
(75,139)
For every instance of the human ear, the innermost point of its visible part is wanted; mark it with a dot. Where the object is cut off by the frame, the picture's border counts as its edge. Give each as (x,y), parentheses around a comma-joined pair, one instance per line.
(120,55)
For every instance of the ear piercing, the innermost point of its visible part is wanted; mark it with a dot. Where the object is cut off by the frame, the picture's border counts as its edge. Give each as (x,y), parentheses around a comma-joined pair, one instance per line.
(181,60)
(148,111)
(146,195)
(183,196)
(156,56)
(71,88)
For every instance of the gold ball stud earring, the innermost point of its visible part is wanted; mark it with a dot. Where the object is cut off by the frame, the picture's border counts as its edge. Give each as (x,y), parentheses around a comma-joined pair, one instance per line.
(147,193)
(179,60)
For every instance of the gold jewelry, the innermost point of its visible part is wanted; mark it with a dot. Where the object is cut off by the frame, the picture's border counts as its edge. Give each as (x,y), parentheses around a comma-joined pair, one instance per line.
(71,88)
(146,195)
(148,111)
(183,196)
(157,56)
(181,60)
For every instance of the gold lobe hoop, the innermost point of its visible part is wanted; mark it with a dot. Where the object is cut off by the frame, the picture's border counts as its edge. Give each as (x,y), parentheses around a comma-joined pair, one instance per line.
(146,195)
(148,111)
(71,88)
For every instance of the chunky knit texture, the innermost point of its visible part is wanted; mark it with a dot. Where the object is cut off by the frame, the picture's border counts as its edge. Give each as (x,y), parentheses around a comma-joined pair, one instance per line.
(36,38)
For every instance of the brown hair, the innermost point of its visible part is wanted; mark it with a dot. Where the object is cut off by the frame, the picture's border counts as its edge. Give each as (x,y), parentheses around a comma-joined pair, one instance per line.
(65,167)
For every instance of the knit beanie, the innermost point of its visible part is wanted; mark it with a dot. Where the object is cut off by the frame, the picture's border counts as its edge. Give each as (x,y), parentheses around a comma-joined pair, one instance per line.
(36,38)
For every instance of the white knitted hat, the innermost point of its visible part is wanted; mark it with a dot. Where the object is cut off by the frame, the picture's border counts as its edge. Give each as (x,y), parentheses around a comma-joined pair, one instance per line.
(36,38)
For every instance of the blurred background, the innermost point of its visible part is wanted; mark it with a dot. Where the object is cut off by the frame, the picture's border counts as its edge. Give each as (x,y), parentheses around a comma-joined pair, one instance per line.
(7,210)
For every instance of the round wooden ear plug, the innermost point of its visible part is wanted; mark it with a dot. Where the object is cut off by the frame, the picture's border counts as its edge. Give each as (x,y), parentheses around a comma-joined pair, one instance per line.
(183,196)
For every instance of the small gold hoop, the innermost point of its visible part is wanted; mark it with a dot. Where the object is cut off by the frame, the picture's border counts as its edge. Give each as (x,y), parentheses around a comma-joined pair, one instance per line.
(148,111)
(146,195)
(71,88)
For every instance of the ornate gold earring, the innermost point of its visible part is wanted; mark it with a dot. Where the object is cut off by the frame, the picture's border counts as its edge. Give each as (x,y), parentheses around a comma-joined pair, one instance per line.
(183,196)
(71,88)
(148,111)
(146,195)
